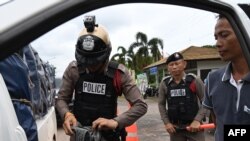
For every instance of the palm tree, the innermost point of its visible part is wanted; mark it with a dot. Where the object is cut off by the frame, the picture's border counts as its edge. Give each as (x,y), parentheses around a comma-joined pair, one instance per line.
(138,56)
(144,57)
(132,63)
(121,56)
(142,41)
(153,44)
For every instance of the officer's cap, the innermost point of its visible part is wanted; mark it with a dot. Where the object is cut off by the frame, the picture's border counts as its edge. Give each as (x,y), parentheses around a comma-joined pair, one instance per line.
(174,57)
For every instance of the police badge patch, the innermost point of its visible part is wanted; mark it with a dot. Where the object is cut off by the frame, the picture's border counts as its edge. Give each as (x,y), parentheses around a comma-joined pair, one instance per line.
(177,55)
(88,43)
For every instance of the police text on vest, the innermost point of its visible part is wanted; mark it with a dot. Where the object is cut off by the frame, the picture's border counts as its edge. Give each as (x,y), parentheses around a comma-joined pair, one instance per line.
(94,88)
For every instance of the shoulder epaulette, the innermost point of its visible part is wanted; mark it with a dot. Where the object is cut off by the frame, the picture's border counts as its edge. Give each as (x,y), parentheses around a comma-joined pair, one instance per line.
(166,77)
(192,74)
(73,63)
(112,67)
(190,77)
(122,68)
(113,64)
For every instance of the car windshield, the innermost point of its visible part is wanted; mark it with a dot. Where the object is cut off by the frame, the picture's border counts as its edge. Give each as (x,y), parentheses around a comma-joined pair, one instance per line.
(123,27)
(15,11)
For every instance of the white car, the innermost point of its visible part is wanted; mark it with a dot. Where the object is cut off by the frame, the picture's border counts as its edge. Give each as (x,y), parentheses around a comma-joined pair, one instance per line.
(23,21)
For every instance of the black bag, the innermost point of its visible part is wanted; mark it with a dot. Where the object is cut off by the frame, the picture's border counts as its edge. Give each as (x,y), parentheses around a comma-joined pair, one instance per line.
(86,133)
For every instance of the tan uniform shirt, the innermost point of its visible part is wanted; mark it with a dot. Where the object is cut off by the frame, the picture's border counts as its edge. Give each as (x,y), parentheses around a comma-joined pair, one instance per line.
(162,101)
(129,90)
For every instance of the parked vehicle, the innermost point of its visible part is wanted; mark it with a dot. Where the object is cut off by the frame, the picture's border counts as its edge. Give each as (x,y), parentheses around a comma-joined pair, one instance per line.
(10,127)
(30,94)
(151,91)
(21,25)
(8,121)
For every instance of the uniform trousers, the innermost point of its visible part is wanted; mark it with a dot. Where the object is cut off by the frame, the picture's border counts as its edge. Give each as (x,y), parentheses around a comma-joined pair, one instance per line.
(187,136)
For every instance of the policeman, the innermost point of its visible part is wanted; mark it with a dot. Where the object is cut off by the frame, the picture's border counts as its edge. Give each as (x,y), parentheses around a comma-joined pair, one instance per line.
(97,83)
(181,93)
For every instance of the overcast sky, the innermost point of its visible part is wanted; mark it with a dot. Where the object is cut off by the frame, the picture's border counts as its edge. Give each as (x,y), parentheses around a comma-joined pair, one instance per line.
(178,27)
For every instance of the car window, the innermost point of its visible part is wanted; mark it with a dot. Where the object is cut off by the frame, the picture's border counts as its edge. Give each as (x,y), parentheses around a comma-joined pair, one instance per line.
(178,31)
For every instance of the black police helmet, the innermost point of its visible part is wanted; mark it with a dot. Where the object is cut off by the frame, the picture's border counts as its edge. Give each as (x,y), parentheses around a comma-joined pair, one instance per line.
(92,47)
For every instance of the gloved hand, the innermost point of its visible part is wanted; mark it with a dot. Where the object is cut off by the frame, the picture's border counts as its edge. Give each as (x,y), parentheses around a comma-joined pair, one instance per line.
(69,121)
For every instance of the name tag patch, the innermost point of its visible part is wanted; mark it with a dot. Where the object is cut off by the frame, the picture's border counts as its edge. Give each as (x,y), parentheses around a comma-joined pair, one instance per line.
(177,92)
(94,88)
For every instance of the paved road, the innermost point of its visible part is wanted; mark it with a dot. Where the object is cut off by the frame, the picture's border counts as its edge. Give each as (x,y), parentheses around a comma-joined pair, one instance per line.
(150,126)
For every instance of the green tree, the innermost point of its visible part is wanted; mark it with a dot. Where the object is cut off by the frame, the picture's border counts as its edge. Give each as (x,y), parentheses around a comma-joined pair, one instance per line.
(132,58)
(144,56)
(154,45)
(120,57)
(140,53)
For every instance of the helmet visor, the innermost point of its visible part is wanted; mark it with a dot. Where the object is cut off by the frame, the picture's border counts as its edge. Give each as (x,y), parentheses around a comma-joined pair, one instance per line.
(91,50)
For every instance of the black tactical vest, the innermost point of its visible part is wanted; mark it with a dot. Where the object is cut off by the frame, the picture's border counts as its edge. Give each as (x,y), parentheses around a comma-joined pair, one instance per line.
(95,96)
(182,102)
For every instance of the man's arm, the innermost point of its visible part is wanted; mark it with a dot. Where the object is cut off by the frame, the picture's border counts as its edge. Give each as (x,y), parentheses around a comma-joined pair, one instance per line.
(200,90)
(162,102)
(65,96)
(133,96)
(202,112)
(66,90)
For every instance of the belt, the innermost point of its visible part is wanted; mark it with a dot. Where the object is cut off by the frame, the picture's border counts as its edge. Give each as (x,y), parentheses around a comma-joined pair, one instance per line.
(181,122)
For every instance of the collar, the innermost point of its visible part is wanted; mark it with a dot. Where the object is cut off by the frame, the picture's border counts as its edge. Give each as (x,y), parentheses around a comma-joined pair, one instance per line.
(172,79)
(247,78)
(228,73)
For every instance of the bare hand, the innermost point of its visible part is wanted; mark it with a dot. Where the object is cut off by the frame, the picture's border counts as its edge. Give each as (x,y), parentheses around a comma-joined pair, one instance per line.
(170,128)
(69,121)
(194,126)
(104,124)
